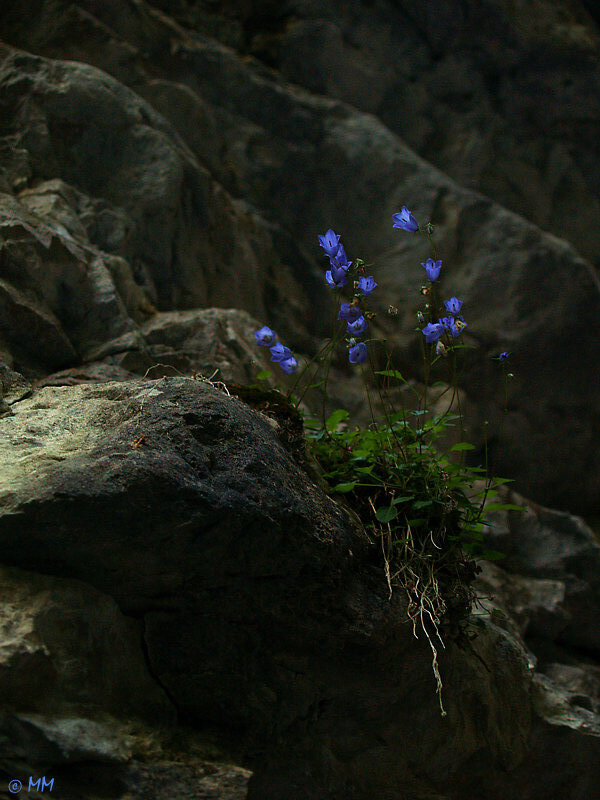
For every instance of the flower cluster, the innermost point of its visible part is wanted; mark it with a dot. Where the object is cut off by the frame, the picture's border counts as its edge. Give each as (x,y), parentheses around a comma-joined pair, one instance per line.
(453,324)
(265,337)
(437,329)
(337,277)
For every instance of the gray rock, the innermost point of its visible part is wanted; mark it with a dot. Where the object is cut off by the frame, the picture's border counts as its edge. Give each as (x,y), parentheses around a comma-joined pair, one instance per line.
(181,419)
(258,157)
(184,237)
(492,94)
(51,741)
(57,309)
(581,683)
(211,342)
(535,607)
(542,543)
(262,610)
(68,650)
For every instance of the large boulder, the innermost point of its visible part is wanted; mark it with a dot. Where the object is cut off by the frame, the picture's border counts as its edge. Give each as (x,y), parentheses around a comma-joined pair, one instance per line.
(263,607)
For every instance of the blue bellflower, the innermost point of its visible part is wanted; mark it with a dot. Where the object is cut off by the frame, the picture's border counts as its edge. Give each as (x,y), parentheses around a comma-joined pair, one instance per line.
(358,353)
(289,365)
(340,259)
(349,313)
(366,285)
(453,305)
(330,242)
(280,353)
(432,268)
(358,326)
(405,221)
(450,325)
(265,336)
(433,331)
(336,277)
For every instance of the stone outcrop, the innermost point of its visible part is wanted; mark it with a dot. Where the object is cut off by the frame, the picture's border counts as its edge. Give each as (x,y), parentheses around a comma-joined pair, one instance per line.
(498,95)
(260,604)
(561,552)
(183,610)
(224,179)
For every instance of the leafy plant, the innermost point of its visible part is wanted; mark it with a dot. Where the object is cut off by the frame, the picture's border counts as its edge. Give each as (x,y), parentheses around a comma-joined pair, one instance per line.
(415,495)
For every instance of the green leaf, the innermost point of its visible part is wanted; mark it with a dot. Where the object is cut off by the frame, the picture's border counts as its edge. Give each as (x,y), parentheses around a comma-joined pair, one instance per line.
(334,420)
(313,424)
(418,522)
(474,527)
(262,376)
(386,513)
(404,499)
(342,488)
(462,446)
(422,504)
(503,507)
(392,373)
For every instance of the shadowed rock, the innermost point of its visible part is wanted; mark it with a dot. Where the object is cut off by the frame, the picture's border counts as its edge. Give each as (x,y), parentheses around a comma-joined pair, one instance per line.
(178,214)
(264,610)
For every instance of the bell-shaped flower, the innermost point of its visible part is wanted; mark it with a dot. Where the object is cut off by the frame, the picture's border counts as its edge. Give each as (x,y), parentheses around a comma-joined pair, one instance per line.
(432,268)
(405,220)
(349,313)
(453,305)
(280,353)
(265,336)
(503,356)
(330,242)
(289,365)
(449,324)
(340,259)
(433,331)
(336,277)
(366,285)
(358,326)
(358,353)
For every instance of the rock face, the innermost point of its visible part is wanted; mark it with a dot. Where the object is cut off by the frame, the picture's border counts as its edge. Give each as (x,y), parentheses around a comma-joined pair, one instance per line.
(169,561)
(498,95)
(545,544)
(183,175)
(67,648)
(260,604)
